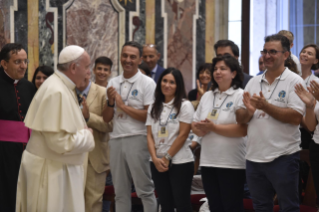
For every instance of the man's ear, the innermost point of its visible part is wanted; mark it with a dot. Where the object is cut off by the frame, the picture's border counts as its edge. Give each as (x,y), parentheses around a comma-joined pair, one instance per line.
(4,64)
(73,68)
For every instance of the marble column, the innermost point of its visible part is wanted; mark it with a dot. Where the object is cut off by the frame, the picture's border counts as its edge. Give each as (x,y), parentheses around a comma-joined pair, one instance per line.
(33,37)
(210,30)
(150,22)
(46,35)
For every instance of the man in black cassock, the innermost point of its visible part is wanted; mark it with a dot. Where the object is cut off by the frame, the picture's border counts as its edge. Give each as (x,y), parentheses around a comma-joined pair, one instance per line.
(16,94)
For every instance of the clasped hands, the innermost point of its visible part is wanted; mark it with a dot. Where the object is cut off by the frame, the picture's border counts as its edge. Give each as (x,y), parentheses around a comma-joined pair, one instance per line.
(86,112)
(114,97)
(161,164)
(203,127)
(254,102)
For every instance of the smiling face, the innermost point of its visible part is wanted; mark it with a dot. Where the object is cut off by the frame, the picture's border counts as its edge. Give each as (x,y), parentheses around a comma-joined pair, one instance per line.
(223,75)
(130,59)
(308,57)
(16,66)
(205,77)
(150,56)
(168,86)
(39,79)
(277,61)
(102,72)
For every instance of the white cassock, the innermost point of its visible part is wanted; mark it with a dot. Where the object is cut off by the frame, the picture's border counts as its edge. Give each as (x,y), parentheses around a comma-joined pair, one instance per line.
(52,172)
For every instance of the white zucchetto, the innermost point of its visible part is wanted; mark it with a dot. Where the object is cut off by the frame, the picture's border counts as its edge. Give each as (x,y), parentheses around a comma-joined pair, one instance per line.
(70,53)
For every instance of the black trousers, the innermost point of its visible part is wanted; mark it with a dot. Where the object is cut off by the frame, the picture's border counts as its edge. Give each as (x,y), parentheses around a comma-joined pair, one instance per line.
(314,161)
(173,187)
(224,188)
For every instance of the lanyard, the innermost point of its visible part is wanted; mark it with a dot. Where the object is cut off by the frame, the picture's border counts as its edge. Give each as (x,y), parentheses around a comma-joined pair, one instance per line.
(220,105)
(261,86)
(164,125)
(124,100)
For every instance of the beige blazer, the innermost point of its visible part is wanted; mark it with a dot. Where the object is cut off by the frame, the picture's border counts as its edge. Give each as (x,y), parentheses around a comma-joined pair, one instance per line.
(100,156)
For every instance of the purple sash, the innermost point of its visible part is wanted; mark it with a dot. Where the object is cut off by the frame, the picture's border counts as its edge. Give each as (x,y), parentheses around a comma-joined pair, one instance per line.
(14,131)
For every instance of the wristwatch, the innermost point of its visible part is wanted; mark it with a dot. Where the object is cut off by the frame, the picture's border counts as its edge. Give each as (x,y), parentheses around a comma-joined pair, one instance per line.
(168,157)
(108,104)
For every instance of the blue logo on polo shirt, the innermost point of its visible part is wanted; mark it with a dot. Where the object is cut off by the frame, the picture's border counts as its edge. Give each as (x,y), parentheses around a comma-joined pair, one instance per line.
(172,116)
(134,93)
(191,137)
(229,104)
(282,94)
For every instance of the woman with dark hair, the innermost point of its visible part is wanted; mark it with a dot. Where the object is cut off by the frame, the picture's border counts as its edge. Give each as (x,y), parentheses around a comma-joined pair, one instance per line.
(168,124)
(223,142)
(203,81)
(309,60)
(41,74)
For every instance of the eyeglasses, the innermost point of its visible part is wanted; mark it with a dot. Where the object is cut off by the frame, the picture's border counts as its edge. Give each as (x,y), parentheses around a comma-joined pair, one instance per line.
(271,52)
(18,62)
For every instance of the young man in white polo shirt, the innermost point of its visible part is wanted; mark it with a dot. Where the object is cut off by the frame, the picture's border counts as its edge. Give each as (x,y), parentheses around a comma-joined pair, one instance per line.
(273,113)
(129,96)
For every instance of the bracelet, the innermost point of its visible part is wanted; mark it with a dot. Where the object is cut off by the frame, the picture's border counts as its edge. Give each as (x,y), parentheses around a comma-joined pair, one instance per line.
(108,104)
(168,157)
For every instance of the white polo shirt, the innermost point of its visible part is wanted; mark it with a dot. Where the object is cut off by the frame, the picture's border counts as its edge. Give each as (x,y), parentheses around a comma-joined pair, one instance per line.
(162,145)
(217,150)
(137,92)
(316,132)
(269,138)
(310,78)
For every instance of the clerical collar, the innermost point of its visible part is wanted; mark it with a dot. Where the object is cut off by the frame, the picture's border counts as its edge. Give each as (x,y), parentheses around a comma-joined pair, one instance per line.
(85,91)
(8,78)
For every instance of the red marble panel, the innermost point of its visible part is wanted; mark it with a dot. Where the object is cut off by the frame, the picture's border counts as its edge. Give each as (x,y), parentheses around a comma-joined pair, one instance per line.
(180,37)
(93,24)
(4,23)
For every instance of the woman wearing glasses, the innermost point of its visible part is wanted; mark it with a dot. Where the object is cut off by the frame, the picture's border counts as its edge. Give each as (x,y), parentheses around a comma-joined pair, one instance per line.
(309,59)
(168,124)
(223,140)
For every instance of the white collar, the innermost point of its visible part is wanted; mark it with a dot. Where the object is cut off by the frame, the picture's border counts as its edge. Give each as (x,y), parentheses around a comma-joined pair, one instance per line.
(132,79)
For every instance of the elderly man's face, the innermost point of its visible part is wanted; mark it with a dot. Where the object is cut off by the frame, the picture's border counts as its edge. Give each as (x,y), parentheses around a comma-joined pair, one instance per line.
(130,59)
(82,69)
(150,56)
(17,65)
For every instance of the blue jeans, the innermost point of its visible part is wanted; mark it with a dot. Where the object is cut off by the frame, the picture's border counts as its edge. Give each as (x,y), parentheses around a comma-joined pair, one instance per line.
(280,176)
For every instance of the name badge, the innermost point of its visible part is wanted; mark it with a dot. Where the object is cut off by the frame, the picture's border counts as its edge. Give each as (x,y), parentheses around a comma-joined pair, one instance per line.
(163,133)
(213,115)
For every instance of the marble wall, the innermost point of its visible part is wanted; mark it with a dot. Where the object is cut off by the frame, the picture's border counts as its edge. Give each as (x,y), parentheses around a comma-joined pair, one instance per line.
(177,27)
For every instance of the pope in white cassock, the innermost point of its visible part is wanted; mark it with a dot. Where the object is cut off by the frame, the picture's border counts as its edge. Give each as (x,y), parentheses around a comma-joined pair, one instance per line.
(52,172)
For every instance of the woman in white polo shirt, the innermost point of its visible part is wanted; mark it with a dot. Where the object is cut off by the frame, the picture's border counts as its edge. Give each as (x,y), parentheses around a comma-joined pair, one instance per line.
(168,124)
(309,59)
(223,140)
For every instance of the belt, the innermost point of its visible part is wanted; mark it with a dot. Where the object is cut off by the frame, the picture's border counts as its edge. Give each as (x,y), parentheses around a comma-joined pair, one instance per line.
(14,131)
